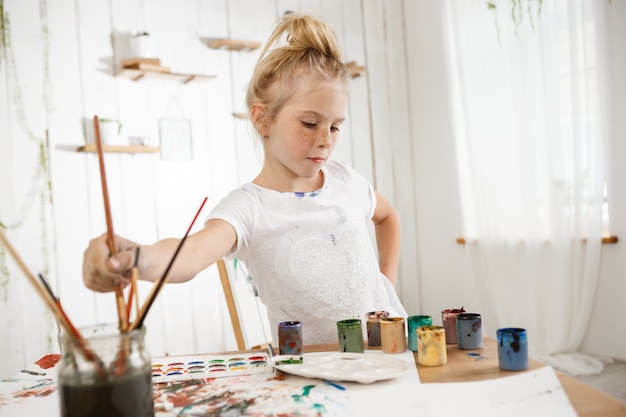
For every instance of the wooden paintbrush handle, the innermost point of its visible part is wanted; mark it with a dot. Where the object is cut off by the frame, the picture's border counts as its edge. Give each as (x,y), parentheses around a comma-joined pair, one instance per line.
(119,295)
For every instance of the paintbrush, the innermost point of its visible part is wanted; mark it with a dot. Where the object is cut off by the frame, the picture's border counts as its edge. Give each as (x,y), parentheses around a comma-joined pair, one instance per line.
(72,329)
(119,295)
(73,332)
(159,283)
(45,296)
(133,289)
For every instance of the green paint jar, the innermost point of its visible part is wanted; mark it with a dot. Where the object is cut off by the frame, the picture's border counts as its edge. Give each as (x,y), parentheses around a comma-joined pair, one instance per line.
(350,334)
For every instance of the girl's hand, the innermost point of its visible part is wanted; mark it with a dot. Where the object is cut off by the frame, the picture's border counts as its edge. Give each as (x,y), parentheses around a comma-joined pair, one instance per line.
(103,272)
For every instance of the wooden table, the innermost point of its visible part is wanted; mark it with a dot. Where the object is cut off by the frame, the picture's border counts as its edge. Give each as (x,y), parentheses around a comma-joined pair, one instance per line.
(462,366)
(482,364)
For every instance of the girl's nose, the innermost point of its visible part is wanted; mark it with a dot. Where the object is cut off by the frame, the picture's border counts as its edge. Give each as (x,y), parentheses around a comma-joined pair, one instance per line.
(325,139)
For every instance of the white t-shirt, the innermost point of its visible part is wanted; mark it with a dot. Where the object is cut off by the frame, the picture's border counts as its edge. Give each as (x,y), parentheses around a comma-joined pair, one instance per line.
(310,254)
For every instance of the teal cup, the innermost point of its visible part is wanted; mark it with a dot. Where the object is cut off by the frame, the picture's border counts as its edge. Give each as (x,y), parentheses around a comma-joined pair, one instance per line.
(414,323)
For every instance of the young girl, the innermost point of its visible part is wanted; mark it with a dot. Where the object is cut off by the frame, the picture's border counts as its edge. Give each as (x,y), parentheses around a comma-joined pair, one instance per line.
(299,226)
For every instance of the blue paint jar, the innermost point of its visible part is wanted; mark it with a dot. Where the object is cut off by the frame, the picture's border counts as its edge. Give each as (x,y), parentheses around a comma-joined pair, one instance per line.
(512,349)
(469,331)
(414,323)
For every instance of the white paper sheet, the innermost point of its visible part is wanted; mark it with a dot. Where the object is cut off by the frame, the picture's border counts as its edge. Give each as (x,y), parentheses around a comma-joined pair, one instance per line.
(534,393)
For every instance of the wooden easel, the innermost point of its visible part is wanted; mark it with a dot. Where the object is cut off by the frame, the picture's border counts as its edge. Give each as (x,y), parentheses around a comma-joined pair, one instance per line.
(230,302)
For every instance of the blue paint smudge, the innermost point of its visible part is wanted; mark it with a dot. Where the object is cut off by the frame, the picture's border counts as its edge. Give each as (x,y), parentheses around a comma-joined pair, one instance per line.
(478,356)
(332,384)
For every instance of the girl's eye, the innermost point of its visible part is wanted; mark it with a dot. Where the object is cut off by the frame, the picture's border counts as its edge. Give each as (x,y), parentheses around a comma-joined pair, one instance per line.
(335,128)
(308,125)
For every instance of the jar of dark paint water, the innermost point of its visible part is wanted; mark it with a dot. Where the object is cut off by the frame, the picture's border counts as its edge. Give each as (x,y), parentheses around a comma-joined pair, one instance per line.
(108,373)
(350,336)
(373,326)
(290,338)
(469,331)
(414,323)
(512,349)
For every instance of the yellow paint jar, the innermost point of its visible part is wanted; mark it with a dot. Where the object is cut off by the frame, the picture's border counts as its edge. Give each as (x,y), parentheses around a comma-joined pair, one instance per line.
(431,346)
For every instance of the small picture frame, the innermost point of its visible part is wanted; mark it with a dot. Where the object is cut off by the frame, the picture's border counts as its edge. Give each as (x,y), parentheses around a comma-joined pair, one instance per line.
(175,137)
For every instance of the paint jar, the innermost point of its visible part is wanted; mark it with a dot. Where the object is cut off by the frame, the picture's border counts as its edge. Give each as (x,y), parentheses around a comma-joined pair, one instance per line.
(107,373)
(431,346)
(469,331)
(448,319)
(392,334)
(373,326)
(414,323)
(350,335)
(512,349)
(290,338)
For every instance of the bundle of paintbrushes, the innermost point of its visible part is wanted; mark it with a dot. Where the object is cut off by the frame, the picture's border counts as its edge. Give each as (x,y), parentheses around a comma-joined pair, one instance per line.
(123,308)
(53,303)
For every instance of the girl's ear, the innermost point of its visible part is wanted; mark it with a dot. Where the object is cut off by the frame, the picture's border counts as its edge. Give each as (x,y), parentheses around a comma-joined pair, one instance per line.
(259,120)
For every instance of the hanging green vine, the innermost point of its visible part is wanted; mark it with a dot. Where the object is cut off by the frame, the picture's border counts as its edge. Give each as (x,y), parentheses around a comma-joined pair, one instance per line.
(40,184)
(4,273)
(533,11)
(517,13)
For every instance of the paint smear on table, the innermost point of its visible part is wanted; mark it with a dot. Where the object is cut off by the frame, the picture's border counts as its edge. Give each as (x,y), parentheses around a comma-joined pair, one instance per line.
(26,389)
(48,361)
(250,395)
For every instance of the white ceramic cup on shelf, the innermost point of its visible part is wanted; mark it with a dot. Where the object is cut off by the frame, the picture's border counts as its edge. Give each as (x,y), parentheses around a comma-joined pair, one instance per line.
(110,132)
(142,45)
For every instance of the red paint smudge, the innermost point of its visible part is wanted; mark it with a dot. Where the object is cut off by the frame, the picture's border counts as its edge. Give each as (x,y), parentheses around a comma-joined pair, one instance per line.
(40,392)
(180,400)
(48,361)
(279,376)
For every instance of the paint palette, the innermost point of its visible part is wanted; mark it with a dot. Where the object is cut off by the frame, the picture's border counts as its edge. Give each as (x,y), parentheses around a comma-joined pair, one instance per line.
(176,368)
(364,368)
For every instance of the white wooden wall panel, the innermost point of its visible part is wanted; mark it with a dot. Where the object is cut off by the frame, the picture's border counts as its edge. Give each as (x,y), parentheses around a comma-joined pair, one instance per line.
(359,120)
(30,243)
(399,140)
(70,184)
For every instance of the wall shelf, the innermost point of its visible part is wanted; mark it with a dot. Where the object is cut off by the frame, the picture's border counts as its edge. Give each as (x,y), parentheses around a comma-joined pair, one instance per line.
(606,240)
(232,44)
(142,74)
(91,148)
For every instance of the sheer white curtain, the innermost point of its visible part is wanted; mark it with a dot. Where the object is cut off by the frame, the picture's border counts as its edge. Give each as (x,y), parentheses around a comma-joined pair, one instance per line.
(529,104)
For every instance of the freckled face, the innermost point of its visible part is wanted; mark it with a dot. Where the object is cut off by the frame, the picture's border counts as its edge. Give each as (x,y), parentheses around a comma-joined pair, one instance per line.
(304,133)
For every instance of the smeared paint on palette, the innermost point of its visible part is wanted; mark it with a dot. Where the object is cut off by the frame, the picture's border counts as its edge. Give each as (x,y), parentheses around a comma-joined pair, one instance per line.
(176,368)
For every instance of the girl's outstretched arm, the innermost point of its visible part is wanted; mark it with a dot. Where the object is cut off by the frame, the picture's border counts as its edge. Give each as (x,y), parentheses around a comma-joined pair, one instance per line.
(102,272)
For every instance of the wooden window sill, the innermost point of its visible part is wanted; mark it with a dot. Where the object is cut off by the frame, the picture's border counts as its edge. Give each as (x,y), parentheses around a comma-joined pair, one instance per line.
(606,240)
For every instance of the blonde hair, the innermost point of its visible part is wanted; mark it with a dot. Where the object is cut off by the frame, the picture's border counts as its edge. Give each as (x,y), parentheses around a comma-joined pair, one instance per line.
(311,49)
